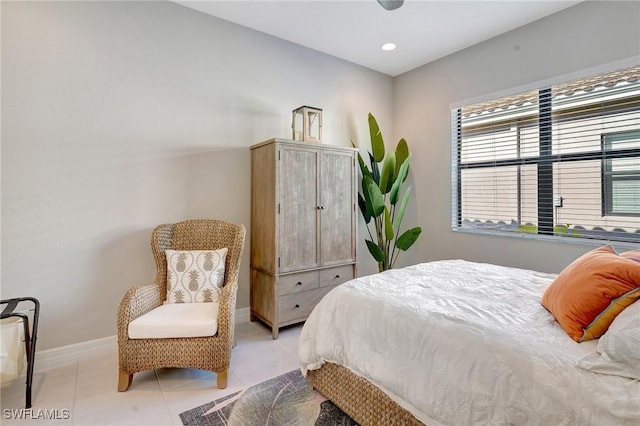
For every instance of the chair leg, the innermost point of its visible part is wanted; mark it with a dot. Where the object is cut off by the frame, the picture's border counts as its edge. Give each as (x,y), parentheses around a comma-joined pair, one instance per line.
(124,381)
(222,379)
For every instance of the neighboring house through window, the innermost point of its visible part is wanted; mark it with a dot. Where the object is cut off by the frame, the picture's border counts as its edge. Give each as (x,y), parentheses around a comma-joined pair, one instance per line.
(560,161)
(621,176)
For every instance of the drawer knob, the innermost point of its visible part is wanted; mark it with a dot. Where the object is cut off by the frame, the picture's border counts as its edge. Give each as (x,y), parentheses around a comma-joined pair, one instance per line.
(337,276)
(299,283)
(297,306)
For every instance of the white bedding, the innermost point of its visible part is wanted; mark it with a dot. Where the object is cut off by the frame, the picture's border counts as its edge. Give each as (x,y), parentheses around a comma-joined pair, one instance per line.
(462,343)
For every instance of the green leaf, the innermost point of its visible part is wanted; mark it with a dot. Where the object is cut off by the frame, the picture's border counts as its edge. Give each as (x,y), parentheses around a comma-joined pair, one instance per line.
(373,198)
(365,194)
(375,171)
(363,209)
(402,175)
(406,240)
(388,227)
(387,176)
(375,251)
(402,152)
(363,167)
(403,205)
(377,144)
(404,169)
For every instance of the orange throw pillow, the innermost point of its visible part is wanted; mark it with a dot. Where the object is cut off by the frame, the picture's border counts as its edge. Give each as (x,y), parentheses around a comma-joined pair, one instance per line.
(588,294)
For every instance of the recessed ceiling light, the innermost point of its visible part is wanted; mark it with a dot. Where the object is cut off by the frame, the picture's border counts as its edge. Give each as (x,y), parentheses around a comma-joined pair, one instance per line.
(388,46)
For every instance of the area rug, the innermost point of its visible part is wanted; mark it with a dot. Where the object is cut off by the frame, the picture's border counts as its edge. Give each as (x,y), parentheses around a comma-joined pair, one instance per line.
(283,400)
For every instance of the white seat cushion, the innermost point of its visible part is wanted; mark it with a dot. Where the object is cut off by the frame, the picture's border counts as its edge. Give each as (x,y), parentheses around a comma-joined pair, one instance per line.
(176,320)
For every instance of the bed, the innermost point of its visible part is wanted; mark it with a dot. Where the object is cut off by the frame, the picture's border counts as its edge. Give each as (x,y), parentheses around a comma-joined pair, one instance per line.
(456,343)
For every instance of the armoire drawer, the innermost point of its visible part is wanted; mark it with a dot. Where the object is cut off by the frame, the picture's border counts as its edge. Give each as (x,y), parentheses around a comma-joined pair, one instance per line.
(299,305)
(294,283)
(335,276)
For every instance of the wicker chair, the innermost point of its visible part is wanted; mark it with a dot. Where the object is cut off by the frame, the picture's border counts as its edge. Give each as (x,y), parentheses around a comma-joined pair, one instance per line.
(208,353)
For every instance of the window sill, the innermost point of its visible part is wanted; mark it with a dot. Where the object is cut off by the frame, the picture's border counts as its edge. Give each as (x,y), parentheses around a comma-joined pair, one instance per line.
(617,245)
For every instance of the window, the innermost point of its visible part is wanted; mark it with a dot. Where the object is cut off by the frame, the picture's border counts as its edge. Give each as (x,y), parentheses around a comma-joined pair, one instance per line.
(560,161)
(621,176)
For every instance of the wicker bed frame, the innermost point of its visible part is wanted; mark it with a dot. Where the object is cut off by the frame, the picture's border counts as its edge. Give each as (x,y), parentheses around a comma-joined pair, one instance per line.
(356,396)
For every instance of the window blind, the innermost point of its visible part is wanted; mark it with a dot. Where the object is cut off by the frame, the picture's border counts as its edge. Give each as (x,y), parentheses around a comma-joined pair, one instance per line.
(560,161)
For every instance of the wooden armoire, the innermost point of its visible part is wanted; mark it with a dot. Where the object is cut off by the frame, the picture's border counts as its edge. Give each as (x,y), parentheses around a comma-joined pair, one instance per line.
(303,227)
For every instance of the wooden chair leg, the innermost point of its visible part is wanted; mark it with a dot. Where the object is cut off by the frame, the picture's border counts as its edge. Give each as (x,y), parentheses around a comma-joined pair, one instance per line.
(124,381)
(222,379)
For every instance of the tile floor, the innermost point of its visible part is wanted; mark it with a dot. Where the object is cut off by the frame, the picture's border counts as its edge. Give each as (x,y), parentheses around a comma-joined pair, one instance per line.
(87,388)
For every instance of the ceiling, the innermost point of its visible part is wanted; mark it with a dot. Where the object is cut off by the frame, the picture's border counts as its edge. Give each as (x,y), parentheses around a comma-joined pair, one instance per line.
(355,30)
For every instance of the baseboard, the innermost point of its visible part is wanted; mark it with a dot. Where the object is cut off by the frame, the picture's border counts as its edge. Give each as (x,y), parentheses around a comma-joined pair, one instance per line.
(66,355)
(242,315)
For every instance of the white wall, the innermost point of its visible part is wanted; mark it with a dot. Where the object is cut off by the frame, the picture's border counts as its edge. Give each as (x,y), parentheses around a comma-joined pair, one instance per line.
(587,35)
(119,116)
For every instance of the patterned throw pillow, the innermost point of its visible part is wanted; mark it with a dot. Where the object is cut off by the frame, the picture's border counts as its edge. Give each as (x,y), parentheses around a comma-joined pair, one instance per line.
(618,351)
(632,254)
(195,276)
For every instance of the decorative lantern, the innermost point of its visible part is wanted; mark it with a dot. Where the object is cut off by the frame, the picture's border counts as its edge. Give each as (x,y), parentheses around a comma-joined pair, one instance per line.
(307,124)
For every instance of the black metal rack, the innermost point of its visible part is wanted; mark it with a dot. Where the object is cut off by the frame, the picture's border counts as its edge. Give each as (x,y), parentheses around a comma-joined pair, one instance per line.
(29,334)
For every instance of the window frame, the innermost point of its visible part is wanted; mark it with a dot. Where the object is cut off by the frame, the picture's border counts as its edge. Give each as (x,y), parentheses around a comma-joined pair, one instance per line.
(545,228)
(608,176)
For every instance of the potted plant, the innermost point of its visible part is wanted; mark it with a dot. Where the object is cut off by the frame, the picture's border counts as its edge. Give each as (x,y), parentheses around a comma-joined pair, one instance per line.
(381,201)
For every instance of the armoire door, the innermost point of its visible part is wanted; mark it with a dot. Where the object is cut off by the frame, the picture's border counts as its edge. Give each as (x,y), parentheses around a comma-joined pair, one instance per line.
(298,209)
(337,201)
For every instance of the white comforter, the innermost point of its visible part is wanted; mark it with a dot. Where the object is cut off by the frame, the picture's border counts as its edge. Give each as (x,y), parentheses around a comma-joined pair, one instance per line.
(461,343)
